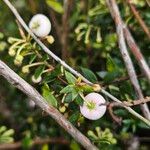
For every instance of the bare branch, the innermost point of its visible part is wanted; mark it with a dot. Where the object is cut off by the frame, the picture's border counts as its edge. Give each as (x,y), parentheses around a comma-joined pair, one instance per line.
(124,103)
(127,108)
(148,2)
(14,11)
(139,19)
(119,80)
(55,24)
(114,117)
(136,52)
(26,88)
(36,141)
(136,102)
(66,28)
(125,55)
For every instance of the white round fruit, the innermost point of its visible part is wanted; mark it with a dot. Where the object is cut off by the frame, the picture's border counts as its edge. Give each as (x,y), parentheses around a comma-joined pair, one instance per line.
(40,25)
(92,108)
(34,80)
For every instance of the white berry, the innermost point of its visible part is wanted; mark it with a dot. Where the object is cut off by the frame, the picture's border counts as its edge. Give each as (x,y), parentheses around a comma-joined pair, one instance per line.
(34,80)
(40,25)
(92,108)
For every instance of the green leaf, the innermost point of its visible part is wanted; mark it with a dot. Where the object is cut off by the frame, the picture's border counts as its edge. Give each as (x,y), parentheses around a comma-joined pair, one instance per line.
(27,141)
(2,129)
(8,132)
(6,135)
(110,40)
(71,95)
(68,98)
(70,78)
(110,64)
(74,145)
(45,147)
(74,94)
(67,89)
(45,57)
(47,94)
(110,76)
(79,100)
(32,58)
(89,74)
(74,117)
(142,125)
(55,5)
(52,75)
(1,35)
(102,74)
(85,88)
(39,71)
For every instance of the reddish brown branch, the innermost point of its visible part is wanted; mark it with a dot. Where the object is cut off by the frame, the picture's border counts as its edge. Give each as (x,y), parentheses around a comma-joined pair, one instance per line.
(124,104)
(114,117)
(66,28)
(136,52)
(136,102)
(148,2)
(119,80)
(114,10)
(139,19)
(55,23)
(131,43)
(37,141)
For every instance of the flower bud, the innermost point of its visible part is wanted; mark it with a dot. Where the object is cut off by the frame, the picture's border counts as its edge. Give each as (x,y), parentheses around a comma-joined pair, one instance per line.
(34,80)
(25,69)
(18,60)
(11,40)
(50,39)
(12,52)
(98,37)
(3,45)
(62,109)
(96,87)
(1,35)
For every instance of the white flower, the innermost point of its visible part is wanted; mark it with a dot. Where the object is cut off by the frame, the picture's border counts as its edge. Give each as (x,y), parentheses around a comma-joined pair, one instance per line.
(92,108)
(40,25)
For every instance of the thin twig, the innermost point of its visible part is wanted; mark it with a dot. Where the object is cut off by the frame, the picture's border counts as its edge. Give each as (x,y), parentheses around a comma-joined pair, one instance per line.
(139,19)
(114,117)
(119,80)
(55,23)
(130,103)
(124,103)
(26,88)
(136,52)
(148,2)
(66,28)
(14,11)
(136,102)
(125,55)
(37,141)
(127,108)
